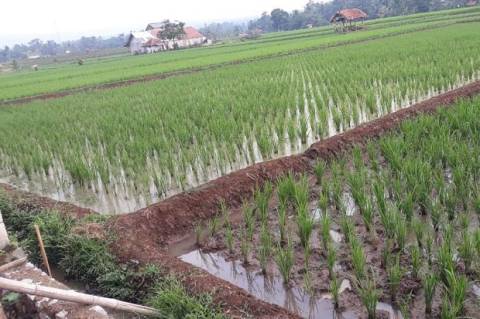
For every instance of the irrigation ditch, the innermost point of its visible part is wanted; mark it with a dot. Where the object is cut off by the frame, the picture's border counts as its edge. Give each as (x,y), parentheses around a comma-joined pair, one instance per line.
(161,233)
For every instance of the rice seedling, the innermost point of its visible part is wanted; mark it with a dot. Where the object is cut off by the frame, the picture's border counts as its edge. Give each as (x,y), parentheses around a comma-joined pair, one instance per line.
(395,273)
(301,193)
(379,191)
(348,228)
(406,206)
(285,260)
(373,156)
(388,220)
(245,249)
(476,241)
(419,229)
(213,225)
(429,247)
(261,199)
(265,249)
(198,228)
(323,202)
(229,237)
(319,170)
(369,295)
(416,260)
(358,259)
(331,259)
(357,158)
(249,220)
(305,224)
(464,221)
(466,251)
(436,215)
(286,189)
(368,216)
(456,288)
(335,290)
(325,230)
(446,261)
(400,231)
(429,285)
(282,221)
(387,251)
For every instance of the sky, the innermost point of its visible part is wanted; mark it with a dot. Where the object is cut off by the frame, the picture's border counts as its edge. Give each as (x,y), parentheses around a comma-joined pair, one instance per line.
(60,20)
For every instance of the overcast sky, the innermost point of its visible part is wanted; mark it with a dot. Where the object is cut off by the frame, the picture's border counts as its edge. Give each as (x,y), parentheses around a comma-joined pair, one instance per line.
(23,20)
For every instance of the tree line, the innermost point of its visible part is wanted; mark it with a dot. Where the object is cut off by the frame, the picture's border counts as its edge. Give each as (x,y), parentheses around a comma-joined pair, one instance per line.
(317,14)
(52,48)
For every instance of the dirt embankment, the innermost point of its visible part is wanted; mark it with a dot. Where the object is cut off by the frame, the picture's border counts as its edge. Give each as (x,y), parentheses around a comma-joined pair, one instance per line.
(31,202)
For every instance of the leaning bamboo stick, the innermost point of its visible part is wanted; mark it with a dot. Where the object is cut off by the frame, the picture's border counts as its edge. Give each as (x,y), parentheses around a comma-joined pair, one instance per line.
(73,296)
(42,249)
(13,264)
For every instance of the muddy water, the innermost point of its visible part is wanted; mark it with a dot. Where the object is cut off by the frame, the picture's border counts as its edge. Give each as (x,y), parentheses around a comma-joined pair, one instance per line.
(272,290)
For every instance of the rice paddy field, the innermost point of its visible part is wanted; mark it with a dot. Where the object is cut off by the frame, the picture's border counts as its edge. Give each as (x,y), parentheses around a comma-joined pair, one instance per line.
(210,189)
(95,72)
(388,228)
(118,150)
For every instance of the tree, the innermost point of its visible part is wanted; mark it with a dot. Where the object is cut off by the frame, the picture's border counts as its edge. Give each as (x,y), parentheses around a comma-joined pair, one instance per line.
(280,19)
(171,30)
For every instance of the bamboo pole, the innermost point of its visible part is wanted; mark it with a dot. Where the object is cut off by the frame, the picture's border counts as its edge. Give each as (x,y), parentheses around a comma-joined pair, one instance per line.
(13,264)
(42,249)
(73,296)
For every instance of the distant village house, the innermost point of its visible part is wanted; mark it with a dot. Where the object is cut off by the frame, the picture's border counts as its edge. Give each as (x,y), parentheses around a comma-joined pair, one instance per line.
(346,19)
(149,41)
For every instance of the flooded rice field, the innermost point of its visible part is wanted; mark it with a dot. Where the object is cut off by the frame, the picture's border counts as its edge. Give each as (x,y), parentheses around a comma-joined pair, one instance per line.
(271,289)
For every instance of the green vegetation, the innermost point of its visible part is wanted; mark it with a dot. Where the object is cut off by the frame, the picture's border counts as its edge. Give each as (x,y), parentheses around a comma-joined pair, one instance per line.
(418,246)
(85,257)
(154,136)
(93,72)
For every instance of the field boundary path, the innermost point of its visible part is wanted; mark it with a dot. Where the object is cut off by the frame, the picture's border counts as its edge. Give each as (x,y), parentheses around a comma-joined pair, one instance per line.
(210,67)
(146,234)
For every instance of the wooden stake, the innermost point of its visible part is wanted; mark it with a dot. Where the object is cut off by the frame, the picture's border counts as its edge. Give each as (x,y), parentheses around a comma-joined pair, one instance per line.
(73,296)
(42,249)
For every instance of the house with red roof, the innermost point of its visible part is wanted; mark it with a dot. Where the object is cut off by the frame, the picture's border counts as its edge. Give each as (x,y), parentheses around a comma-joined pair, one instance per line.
(149,41)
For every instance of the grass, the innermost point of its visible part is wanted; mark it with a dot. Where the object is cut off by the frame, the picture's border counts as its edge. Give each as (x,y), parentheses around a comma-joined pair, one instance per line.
(88,259)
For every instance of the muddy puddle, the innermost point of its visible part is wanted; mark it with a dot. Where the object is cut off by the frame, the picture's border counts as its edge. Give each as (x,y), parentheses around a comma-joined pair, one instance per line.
(272,290)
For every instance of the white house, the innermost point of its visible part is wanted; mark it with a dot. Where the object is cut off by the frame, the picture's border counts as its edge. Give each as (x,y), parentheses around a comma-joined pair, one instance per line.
(148,41)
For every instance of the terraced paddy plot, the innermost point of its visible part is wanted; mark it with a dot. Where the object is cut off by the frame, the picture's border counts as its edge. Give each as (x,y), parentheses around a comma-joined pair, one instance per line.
(94,72)
(413,240)
(121,149)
